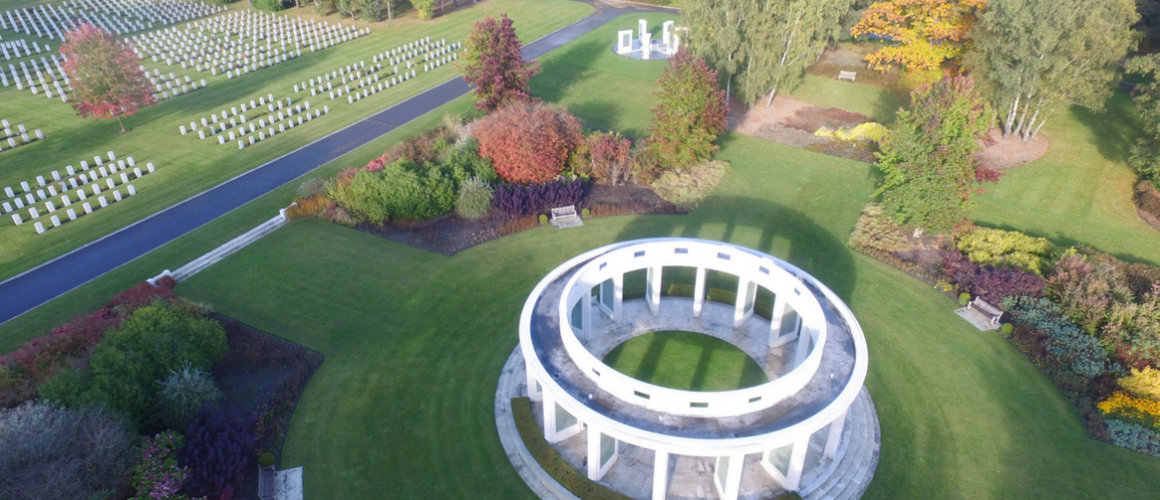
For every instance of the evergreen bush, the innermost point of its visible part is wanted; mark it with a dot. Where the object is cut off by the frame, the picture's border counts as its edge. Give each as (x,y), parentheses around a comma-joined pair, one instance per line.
(268,5)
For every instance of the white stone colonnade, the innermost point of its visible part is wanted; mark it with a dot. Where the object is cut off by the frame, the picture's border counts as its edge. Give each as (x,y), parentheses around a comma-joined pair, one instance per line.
(580,394)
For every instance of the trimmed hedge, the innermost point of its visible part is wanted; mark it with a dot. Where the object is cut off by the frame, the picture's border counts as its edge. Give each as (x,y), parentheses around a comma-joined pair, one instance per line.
(568,477)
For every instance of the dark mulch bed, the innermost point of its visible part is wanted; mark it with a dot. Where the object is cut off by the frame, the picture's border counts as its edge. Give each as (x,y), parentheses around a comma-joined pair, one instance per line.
(1147,200)
(263,375)
(450,234)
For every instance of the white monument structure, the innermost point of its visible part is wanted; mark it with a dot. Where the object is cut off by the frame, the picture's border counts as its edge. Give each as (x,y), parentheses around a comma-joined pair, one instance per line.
(811,347)
(643,46)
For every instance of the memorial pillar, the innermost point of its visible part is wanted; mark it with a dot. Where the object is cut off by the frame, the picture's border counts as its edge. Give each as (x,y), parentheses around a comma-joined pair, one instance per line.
(660,487)
(699,293)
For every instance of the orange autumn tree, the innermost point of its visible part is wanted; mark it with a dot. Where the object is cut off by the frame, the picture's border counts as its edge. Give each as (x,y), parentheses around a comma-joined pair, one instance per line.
(928,32)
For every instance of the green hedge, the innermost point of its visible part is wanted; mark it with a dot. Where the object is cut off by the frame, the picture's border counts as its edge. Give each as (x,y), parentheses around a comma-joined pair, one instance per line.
(570,478)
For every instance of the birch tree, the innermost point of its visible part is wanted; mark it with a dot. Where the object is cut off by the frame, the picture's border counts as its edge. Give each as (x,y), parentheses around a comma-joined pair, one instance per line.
(764,46)
(789,36)
(1037,56)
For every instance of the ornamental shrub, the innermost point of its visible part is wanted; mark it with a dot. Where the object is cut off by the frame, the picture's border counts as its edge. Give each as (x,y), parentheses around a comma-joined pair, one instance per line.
(426,8)
(528,143)
(988,282)
(1121,406)
(515,200)
(1142,383)
(184,391)
(1133,330)
(474,200)
(688,187)
(998,248)
(1133,437)
(311,188)
(543,219)
(143,295)
(151,342)
(1086,290)
(157,475)
(39,359)
(1080,352)
(690,115)
(51,453)
(609,158)
(463,162)
(964,298)
(928,158)
(401,190)
(1007,329)
(265,459)
(875,233)
(219,448)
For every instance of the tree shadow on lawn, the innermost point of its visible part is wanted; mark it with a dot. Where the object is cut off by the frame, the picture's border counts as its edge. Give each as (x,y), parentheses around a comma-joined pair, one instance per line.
(561,71)
(889,101)
(1115,129)
(810,246)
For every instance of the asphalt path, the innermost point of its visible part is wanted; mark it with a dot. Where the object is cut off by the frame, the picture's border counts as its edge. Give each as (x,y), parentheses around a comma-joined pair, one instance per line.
(29,290)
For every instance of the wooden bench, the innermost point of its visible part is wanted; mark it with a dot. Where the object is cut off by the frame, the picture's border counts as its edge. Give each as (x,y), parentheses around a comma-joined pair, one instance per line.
(847,75)
(989,310)
(566,217)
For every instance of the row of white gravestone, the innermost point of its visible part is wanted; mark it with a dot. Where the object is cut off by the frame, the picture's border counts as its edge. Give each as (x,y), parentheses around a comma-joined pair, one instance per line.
(265,105)
(274,114)
(373,87)
(116,16)
(208,51)
(369,83)
(71,176)
(251,139)
(86,207)
(356,73)
(10,139)
(11,50)
(435,63)
(27,73)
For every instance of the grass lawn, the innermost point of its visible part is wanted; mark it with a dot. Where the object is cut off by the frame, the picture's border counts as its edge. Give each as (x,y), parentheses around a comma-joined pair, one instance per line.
(687,361)
(186,165)
(403,405)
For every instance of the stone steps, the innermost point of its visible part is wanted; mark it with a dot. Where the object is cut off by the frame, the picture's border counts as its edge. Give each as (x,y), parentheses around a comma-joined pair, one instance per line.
(848,477)
(228,248)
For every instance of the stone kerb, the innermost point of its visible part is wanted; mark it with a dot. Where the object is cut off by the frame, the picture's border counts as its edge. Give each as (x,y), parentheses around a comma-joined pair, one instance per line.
(733,435)
(750,268)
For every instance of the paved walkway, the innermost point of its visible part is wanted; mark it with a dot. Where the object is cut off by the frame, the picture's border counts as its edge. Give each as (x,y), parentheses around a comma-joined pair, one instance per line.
(39,285)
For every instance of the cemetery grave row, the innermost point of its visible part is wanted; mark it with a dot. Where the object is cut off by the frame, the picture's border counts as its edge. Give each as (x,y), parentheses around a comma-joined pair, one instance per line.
(116,16)
(11,50)
(368,79)
(164,85)
(261,117)
(10,139)
(52,76)
(230,43)
(39,201)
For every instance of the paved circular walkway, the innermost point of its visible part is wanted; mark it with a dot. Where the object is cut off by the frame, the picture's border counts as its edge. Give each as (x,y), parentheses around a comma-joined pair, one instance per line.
(844,478)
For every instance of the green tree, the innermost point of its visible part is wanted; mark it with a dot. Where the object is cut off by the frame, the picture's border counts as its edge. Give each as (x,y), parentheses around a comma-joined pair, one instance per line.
(1035,56)
(426,8)
(762,47)
(690,115)
(127,364)
(1145,154)
(928,158)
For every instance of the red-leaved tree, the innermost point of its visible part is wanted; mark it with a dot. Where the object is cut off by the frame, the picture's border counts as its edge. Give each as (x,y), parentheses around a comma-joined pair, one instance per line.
(528,142)
(494,64)
(106,79)
(691,113)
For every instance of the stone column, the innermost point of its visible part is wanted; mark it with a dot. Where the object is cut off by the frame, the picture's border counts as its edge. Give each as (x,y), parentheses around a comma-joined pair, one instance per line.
(779,305)
(746,295)
(549,417)
(727,476)
(834,437)
(618,298)
(586,311)
(535,393)
(797,461)
(660,488)
(654,288)
(801,351)
(699,293)
(596,469)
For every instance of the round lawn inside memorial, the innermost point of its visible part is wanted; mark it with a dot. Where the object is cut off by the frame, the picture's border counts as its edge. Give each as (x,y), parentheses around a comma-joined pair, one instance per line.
(686,361)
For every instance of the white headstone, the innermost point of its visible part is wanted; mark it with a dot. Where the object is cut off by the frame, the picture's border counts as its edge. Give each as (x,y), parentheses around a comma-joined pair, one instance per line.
(55,221)
(103,201)
(16,219)
(72,214)
(39,227)
(117,195)
(33,213)
(132,190)
(88,208)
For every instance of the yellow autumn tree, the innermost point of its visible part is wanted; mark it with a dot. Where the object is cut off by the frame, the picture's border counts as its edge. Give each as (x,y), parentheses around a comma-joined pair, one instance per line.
(927,32)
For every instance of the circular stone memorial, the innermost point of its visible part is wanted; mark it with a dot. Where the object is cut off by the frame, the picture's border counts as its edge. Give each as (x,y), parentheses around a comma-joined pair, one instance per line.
(806,424)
